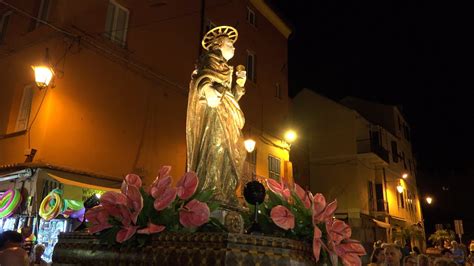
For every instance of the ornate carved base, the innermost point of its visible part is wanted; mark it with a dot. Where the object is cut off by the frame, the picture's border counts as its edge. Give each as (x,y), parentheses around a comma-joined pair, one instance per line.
(184,249)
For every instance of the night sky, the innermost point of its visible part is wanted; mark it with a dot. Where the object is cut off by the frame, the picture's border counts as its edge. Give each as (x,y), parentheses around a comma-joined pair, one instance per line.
(415,54)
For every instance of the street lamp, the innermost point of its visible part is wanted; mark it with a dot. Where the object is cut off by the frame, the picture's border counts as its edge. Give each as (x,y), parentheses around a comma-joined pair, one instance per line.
(249,145)
(404,175)
(429,200)
(43,73)
(400,188)
(290,136)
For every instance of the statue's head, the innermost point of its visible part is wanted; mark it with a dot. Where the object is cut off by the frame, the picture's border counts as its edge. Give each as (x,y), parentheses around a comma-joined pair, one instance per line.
(221,38)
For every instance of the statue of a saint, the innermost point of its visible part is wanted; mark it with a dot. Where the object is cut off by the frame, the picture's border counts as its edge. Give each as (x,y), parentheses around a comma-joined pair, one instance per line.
(215,149)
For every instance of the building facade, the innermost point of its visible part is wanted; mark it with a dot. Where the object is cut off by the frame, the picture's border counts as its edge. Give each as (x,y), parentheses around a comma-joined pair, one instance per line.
(358,152)
(122,68)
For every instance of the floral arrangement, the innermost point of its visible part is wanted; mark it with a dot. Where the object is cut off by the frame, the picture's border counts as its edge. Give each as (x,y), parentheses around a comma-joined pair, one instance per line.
(136,212)
(296,213)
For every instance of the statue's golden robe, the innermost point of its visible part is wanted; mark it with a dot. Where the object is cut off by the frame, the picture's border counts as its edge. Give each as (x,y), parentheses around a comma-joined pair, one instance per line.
(215,149)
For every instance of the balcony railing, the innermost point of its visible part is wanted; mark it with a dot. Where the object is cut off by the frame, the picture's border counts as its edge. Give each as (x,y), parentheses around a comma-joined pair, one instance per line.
(370,146)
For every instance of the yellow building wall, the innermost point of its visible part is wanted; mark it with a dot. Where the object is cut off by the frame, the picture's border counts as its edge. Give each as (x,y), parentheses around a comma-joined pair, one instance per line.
(106,117)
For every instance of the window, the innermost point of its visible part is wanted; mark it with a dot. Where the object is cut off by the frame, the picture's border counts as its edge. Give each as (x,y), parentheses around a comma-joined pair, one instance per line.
(250,66)
(371,195)
(25,109)
(251,159)
(394,151)
(404,161)
(116,23)
(274,168)
(278,90)
(379,196)
(4,19)
(401,200)
(209,26)
(250,16)
(42,13)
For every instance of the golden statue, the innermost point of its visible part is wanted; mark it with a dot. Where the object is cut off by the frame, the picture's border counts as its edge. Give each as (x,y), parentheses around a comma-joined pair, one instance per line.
(215,149)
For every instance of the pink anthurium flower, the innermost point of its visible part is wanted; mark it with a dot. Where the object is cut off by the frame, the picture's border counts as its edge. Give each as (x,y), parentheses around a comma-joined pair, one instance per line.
(113,201)
(151,229)
(194,214)
(125,233)
(350,251)
(317,243)
(338,231)
(164,200)
(134,201)
(99,218)
(187,185)
(305,196)
(278,188)
(321,211)
(160,186)
(282,217)
(131,180)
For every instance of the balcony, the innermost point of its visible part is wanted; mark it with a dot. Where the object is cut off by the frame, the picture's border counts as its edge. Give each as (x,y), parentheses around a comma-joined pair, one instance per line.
(373,151)
(381,208)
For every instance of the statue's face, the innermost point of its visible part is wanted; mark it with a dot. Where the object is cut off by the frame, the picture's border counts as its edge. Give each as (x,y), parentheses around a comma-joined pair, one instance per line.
(227,49)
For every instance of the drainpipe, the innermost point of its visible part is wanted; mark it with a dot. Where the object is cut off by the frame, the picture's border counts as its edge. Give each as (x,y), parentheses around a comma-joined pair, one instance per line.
(201,29)
(389,231)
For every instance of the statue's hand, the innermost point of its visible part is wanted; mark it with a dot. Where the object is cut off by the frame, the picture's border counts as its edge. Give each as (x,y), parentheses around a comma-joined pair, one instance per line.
(241,77)
(213,97)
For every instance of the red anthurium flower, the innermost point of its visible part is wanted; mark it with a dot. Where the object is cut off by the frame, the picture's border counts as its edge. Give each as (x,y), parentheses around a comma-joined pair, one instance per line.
(194,214)
(338,231)
(151,229)
(278,188)
(282,217)
(350,251)
(187,185)
(160,186)
(321,211)
(99,218)
(132,180)
(125,233)
(305,196)
(113,201)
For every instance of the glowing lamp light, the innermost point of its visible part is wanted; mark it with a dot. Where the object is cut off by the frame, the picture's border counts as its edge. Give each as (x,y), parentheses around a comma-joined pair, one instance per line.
(249,145)
(405,176)
(290,136)
(429,200)
(97,195)
(43,76)
(400,188)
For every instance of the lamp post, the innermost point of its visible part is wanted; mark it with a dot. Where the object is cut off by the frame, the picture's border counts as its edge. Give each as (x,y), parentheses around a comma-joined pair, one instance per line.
(400,188)
(43,73)
(429,200)
(290,136)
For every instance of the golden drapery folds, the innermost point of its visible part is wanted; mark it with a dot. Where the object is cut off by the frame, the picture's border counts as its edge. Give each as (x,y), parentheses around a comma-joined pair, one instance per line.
(215,149)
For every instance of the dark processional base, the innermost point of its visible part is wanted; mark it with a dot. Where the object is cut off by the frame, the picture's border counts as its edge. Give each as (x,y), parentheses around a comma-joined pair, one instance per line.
(184,249)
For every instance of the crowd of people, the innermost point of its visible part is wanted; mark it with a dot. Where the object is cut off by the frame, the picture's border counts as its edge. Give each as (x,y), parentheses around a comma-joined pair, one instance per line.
(16,249)
(393,254)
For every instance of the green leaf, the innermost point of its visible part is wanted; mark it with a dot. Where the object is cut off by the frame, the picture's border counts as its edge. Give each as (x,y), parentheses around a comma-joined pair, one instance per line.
(167,217)
(204,195)
(213,205)
(108,236)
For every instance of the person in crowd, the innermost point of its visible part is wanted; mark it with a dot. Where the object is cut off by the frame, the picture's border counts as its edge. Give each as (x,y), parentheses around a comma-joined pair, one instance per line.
(409,260)
(11,252)
(378,257)
(406,250)
(416,250)
(423,260)
(444,262)
(447,254)
(458,253)
(393,254)
(37,253)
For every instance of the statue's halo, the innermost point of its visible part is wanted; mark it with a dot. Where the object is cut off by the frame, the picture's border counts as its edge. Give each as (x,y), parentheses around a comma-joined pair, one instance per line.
(217,32)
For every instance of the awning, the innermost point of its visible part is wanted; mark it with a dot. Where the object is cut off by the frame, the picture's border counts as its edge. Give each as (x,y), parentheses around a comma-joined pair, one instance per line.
(381,224)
